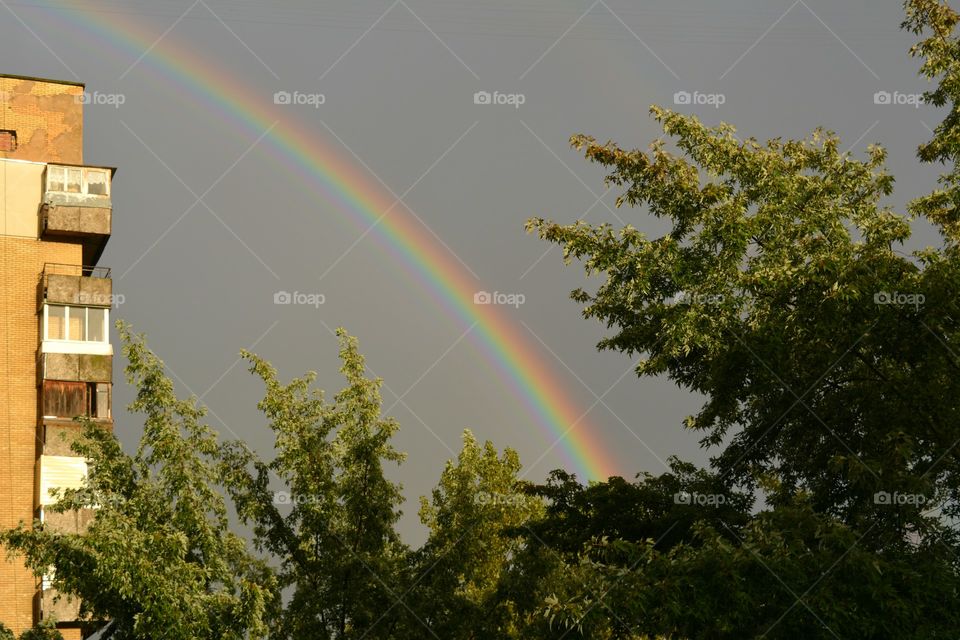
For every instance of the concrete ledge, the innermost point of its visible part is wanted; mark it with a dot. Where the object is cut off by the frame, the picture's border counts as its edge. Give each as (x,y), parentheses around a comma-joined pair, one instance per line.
(62,219)
(79,367)
(78,290)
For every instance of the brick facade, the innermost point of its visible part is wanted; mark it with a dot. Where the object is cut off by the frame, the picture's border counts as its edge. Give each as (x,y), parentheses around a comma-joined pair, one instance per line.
(46,118)
(21,263)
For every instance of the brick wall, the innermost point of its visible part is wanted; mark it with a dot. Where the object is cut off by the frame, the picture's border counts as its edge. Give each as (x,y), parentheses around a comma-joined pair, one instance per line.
(21,263)
(47,118)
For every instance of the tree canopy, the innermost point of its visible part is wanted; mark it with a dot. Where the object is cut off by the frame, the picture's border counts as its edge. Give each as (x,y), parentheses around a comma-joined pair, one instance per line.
(781,293)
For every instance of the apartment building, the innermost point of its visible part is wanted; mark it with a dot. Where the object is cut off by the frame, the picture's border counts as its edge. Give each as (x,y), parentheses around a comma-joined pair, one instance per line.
(56,359)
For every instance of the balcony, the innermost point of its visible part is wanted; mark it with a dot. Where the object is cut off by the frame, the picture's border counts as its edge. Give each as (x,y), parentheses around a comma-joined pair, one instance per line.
(75,285)
(50,604)
(59,472)
(63,400)
(76,203)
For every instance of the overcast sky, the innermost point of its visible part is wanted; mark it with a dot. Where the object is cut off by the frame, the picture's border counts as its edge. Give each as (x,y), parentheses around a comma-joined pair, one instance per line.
(209,223)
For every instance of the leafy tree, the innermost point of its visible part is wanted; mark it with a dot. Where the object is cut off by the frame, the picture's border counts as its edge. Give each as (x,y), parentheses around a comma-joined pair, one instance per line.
(340,559)
(5,633)
(655,512)
(827,359)
(46,630)
(477,503)
(158,560)
(790,573)
(664,508)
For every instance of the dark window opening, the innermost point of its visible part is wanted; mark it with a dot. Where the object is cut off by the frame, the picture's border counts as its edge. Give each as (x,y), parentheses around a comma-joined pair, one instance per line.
(63,399)
(8,140)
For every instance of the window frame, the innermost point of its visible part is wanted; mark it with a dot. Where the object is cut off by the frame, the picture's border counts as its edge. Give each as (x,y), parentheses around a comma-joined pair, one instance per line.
(11,134)
(95,408)
(56,396)
(69,310)
(63,173)
(85,182)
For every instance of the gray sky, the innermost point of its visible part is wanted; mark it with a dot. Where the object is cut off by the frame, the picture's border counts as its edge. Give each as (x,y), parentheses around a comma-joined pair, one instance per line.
(398,81)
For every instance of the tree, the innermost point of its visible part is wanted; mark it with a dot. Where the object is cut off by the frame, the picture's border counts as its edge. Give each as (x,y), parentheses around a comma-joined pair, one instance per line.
(656,514)
(789,573)
(158,560)
(46,630)
(339,556)
(826,356)
(476,505)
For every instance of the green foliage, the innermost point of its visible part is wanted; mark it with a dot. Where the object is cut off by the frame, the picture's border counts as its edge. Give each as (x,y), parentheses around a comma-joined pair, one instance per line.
(769,296)
(780,294)
(477,503)
(790,573)
(940,52)
(332,526)
(659,513)
(825,355)
(46,630)
(158,561)
(664,508)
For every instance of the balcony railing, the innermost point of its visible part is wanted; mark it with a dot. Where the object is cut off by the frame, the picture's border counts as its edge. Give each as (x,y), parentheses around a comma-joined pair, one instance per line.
(75,285)
(86,271)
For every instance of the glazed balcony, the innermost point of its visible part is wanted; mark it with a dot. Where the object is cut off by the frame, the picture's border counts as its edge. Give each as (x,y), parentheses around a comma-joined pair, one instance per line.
(76,203)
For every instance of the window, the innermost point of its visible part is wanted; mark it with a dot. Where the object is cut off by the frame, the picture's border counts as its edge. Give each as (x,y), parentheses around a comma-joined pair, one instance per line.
(101,401)
(55,177)
(85,180)
(76,324)
(62,399)
(56,323)
(96,182)
(73,180)
(95,326)
(8,140)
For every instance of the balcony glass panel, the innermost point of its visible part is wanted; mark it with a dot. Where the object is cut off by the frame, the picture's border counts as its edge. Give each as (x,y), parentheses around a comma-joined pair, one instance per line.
(56,322)
(55,178)
(92,181)
(96,325)
(76,323)
(74,180)
(96,182)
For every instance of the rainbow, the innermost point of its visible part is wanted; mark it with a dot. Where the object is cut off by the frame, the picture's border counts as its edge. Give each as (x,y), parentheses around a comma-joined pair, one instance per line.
(339,179)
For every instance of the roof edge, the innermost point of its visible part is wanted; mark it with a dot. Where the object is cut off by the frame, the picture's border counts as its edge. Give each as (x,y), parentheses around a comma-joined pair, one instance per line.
(14,76)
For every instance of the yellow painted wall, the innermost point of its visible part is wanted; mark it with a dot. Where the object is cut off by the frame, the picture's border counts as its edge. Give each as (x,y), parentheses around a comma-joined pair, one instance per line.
(21,191)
